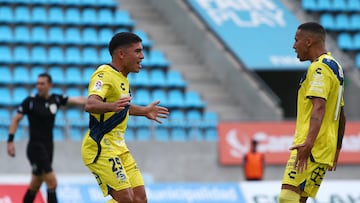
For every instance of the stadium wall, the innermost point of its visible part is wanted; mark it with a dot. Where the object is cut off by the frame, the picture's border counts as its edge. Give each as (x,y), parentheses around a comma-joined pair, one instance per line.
(245,88)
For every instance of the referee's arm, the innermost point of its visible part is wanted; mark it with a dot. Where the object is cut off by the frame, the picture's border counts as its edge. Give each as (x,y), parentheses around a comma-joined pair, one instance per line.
(12,130)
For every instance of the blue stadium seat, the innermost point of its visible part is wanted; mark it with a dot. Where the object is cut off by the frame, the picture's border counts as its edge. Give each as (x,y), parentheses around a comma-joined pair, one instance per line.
(175,98)
(72,36)
(73,76)
(105,35)
(342,22)
(57,74)
(39,15)
(58,134)
(56,35)
(89,3)
(141,79)
(5,117)
(75,134)
(161,134)
(141,97)
(160,94)
(356,41)
(132,122)
(21,55)
(60,116)
(123,19)
(193,100)
(72,16)
(210,119)
(57,90)
(355,22)
(22,34)
(74,117)
(178,135)
(73,92)
(38,55)
(88,16)
(309,5)
(72,56)
(339,6)
(104,56)
(327,20)
(6,98)
(89,36)
(129,135)
(87,75)
(19,94)
(7,15)
(106,3)
(6,34)
(324,5)
(353,5)
(38,2)
(157,78)
(6,55)
(175,79)
(5,75)
(143,134)
(34,73)
(344,41)
(194,118)
(55,2)
(56,55)
(142,122)
(39,35)
(56,16)
(75,3)
(105,17)
(21,75)
(158,59)
(357,61)
(211,135)
(90,56)
(146,42)
(177,119)
(196,134)
(22,14)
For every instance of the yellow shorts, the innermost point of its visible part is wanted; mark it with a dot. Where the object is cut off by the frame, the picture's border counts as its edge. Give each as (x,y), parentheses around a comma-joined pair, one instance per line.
(116,172)
(309,180)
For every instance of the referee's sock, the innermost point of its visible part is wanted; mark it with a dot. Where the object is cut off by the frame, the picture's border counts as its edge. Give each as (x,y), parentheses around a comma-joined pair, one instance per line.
(29,196)
(51,196)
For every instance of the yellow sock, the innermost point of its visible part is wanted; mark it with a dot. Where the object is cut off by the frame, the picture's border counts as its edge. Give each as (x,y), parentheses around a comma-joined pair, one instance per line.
(288,196)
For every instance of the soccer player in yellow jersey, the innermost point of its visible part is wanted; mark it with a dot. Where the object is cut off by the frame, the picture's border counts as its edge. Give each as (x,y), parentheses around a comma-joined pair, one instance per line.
(104,150)
(320,122)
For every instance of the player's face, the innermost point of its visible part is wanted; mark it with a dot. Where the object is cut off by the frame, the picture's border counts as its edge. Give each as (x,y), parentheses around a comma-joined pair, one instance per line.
(43,86)
(133,55)
(301,45)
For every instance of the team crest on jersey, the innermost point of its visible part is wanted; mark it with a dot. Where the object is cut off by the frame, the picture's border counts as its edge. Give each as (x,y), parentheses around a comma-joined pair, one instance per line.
(98,85)
(53,108)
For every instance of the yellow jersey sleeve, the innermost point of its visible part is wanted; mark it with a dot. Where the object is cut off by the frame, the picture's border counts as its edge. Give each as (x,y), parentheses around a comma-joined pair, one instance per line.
(319,81)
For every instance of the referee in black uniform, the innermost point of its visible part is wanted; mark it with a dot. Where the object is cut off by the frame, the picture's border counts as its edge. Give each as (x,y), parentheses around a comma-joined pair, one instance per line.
(40,110)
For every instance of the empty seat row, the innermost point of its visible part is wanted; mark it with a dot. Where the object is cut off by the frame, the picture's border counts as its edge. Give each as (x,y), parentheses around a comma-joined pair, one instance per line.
(347,41)
(71,16)
(331,5)
(340,21)
(71,55)
(66,3)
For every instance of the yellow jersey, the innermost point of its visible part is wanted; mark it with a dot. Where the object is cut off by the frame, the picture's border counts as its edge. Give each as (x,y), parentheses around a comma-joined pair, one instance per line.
(106,131)
(324,78)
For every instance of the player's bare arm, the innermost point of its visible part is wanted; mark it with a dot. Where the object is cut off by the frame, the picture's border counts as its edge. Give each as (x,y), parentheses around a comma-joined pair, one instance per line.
(151,111)
(304,149)
(12,129)
(95,104)
(77,100)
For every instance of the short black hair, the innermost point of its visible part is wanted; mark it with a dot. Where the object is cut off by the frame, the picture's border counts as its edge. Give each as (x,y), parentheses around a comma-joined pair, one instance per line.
(122,39)
(46,75)
(313,27)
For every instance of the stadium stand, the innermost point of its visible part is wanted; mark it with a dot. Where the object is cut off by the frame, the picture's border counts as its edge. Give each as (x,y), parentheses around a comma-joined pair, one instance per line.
(69,39)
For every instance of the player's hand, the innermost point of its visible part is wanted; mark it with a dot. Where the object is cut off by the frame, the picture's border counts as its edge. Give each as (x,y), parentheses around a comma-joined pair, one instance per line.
(333,168)
(11,149)
(302,156)
(121,103)
(155,112)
